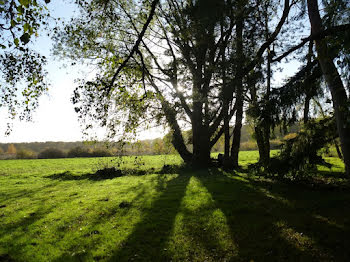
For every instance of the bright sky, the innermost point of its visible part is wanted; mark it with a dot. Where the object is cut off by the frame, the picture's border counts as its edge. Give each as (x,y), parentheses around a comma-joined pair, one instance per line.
(55,119)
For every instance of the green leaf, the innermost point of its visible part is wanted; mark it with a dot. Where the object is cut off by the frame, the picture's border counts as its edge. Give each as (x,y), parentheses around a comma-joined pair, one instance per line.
(13,23)
(20,10)
(25,38)
(24,2)
(16,41)
(26,27)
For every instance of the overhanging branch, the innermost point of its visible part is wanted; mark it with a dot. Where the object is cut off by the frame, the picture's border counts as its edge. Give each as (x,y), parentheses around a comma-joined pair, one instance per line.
(136,45)
(329,31)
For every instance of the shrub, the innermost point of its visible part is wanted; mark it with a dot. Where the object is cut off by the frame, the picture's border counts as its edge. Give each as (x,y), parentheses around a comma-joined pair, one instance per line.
(25,154)
(101,152)
(247,146)
(290,136)
(275,144)
(51,153)
(79,152)
(303,152)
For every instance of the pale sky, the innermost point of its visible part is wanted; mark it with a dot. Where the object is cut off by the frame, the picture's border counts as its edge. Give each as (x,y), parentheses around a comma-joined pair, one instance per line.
(55,119)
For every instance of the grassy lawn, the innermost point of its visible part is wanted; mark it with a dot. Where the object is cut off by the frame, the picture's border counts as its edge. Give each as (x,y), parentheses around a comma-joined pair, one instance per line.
(49,214)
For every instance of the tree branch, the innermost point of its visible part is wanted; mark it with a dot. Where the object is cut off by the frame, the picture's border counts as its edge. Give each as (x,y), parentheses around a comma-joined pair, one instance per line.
(329,31)
(272,38)
(136,45)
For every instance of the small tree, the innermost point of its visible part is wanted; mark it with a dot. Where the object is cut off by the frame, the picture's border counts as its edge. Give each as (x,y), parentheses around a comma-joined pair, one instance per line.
(11,149)
(25,154)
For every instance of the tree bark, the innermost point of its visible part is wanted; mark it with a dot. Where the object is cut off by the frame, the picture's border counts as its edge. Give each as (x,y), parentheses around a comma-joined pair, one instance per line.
(227,94)
(200,132)
(308,86)
(177,138)
(265,156)
(334,83)
(239,92)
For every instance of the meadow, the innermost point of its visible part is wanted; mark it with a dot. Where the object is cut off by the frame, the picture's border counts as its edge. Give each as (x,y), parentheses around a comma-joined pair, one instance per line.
(60,210)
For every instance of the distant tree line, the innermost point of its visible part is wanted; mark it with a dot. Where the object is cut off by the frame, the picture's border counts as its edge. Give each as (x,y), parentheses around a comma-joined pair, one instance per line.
(43,150)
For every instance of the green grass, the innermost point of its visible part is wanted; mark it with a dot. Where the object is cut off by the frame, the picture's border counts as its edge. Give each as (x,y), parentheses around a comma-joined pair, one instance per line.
(182,216)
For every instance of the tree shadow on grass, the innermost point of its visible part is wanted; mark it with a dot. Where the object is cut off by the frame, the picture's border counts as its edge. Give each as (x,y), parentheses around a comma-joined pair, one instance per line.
(321,213)
(148,239)
(272,221)
(16,233)
(111,173)
(330,173)
(23,192)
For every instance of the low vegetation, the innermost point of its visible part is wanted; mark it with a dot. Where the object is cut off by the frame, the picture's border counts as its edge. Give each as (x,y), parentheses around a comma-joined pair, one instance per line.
(158,210)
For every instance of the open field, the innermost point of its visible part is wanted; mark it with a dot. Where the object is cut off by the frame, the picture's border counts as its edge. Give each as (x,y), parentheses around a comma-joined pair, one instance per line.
(55,210)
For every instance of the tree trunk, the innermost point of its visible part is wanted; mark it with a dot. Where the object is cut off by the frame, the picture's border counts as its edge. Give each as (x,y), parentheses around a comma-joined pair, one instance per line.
(264,152)
(265,159)
(261,145)
(177,138)
(225,108)
(307,108)
(237,135)
(334,83)
(239,92)
(200,134)
(308,86)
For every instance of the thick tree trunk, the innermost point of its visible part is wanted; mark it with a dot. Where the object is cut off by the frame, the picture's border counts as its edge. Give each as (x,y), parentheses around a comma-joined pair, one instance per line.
(334,83)
(239,92)
(200,135)
(260,140)
(177,138)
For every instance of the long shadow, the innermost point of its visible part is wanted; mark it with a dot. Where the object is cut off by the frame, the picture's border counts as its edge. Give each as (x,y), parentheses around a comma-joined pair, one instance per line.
(121,208)
(269,222)
(148,238)
(15,231)
(111,173)
(28,193)
(323,215)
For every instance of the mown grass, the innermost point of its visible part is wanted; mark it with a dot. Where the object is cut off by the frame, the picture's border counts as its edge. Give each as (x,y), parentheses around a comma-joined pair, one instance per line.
(184,215)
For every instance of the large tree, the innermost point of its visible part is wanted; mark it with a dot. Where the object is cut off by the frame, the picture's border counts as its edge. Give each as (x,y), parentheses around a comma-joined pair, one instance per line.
(174,62)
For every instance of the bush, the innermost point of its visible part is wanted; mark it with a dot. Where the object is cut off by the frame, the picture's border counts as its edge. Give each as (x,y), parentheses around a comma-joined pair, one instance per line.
(79,152)
(25,154)
(51,153)
(275,144)
(101,152)
(247,146)
(290,136)
(303,152)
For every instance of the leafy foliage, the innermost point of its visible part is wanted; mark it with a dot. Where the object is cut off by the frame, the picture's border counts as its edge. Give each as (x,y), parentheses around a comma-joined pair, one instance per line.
(303,151)
(22,73)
